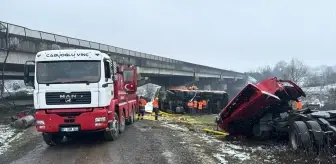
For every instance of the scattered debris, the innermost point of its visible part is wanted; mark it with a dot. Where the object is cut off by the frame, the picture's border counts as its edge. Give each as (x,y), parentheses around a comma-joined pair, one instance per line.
(24,122)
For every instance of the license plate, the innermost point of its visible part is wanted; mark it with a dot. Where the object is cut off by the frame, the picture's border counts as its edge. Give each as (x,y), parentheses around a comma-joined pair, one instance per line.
(69,129)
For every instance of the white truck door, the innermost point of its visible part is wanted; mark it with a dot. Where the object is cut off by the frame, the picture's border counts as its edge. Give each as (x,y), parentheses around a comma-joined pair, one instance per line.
(108,80)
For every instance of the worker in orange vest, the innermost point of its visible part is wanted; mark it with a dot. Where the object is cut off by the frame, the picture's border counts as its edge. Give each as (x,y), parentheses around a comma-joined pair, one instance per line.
(142,104)
(156,108)
(190,107)
(195,106)
(204,104)
(200,107)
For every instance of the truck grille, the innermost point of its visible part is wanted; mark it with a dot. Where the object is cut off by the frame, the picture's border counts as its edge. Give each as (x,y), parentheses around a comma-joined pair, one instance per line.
(62,98)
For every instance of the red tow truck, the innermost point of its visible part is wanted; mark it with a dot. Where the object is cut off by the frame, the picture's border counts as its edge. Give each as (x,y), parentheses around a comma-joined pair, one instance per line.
(79,91)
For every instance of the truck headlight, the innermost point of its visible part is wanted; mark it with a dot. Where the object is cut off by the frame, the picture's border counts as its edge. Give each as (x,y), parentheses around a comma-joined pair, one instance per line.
(100,119)
(39,122)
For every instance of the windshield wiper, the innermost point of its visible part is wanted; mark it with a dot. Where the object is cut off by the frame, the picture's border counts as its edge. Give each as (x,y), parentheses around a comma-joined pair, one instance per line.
(80,81)
(47,84)
(68,82)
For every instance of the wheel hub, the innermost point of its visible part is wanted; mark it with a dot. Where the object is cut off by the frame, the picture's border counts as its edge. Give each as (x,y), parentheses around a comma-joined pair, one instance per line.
(115,126)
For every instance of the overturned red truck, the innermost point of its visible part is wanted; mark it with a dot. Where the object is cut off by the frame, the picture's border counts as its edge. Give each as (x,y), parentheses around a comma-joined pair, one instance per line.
(267,109)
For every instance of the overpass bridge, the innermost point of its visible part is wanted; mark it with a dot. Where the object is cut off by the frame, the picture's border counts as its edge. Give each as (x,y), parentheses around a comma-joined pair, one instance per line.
(19,44)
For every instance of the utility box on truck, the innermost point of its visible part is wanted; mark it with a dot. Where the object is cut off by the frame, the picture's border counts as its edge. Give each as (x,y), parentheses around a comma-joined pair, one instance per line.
(81,91)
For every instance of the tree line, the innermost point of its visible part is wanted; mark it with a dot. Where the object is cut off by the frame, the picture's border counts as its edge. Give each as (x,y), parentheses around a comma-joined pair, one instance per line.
(298,72)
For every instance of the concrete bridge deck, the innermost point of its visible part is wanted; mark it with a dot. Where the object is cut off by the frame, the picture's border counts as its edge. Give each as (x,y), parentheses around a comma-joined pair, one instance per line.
(24,43)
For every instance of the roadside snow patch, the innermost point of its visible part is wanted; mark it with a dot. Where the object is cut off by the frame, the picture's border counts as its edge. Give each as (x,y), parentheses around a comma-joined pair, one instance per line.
(7,136)
(221,158)
(235,151)
(175,127)
(15,87)
(208,139)
(227,149)
(319,89)
(169,156)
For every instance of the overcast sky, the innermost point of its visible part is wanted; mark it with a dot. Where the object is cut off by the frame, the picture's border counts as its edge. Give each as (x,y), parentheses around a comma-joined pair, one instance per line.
(230,34)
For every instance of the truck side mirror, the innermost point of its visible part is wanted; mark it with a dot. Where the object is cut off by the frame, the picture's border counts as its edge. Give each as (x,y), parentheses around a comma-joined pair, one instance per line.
(28,68)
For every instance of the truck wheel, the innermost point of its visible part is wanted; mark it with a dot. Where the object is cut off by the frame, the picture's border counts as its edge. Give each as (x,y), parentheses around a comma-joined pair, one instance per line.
(299,137)
(113,133)
(122,122)
(316,133)
(133,116)
(130,120)
(52,139)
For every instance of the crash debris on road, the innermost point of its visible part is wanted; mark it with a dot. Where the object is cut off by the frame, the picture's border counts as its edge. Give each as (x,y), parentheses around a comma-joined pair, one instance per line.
(24,122)
(21,120)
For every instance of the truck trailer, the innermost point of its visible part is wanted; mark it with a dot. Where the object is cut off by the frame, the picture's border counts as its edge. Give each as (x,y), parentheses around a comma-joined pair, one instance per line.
(77,91)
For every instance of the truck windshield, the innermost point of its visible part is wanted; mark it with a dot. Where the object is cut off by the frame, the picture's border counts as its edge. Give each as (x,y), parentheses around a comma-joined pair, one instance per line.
(53,72)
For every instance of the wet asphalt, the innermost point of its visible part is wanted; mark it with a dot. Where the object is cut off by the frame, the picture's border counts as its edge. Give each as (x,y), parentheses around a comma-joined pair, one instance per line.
(145,142)
(151,142)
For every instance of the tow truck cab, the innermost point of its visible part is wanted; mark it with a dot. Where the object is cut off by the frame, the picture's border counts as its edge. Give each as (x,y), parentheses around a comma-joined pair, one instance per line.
(80,90)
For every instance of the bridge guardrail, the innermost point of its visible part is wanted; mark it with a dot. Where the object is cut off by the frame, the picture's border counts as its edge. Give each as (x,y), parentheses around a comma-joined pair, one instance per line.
(68,42)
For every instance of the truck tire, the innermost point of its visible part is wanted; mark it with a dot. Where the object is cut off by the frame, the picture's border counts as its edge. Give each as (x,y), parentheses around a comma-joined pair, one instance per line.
(299,137)
(130,119)
(133,116)
(316,133)
(52,139)
(113,134)
(122,123)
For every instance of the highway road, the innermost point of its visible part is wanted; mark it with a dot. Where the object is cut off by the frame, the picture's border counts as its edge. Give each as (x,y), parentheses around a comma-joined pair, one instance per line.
(152,142)
(146,142)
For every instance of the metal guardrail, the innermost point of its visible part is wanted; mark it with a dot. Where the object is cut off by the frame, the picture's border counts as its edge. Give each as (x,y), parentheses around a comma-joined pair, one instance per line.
(25,32)
(16,30)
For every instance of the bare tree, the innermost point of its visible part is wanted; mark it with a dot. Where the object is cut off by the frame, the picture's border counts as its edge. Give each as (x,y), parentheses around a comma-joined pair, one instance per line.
(280,68)
(293,70)
(312,79)
(328,75)
(261,73)
(296,71)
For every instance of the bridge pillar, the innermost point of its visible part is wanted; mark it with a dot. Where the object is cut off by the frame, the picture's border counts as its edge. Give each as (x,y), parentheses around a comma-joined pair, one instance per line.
(234,86)
(207,87)
(222,86)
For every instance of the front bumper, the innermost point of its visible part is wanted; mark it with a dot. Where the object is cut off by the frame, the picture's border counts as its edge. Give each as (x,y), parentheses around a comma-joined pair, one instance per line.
(54,122)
